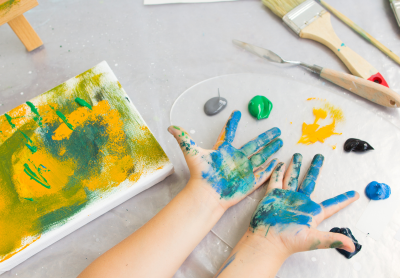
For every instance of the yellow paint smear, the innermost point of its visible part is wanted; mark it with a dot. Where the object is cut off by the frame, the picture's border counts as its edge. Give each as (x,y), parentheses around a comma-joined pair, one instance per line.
(312,133)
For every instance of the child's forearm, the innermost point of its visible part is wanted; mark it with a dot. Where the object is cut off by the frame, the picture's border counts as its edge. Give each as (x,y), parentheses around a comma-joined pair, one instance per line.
(253,256)
(159,247)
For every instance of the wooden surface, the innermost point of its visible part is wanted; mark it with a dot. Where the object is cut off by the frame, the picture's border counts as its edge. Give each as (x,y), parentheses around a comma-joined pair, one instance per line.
(361,32)
(25,32)
(321,31)
(370,90)
(10,9)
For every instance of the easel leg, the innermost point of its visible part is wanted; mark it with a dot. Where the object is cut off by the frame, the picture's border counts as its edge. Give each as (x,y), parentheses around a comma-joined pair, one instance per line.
(25,32)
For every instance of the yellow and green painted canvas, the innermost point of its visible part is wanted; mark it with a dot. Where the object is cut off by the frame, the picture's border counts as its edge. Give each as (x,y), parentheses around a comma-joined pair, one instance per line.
(66,150)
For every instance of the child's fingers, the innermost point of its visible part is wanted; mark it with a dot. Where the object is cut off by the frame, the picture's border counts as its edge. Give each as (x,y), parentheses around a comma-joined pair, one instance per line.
(264,173)
(291,179)
(188,146)
(260,141)
(228,132)
(277,176)
(324,240)
(261,156)
(333,205)
(308,185)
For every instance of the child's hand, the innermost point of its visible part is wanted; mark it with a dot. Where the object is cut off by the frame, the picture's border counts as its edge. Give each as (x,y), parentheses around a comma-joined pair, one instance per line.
(228,173)
(288,218)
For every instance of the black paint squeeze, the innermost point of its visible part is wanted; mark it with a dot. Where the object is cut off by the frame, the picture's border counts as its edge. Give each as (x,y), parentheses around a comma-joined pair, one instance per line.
(356,145)
(347,232)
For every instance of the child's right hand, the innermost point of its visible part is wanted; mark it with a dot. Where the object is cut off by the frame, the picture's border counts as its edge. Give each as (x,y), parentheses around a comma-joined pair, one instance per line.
(288,217)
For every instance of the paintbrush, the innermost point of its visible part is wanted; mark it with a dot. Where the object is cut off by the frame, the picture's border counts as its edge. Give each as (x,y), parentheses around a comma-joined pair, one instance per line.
(310,20)
(395,4)
(359,86)
(361,31)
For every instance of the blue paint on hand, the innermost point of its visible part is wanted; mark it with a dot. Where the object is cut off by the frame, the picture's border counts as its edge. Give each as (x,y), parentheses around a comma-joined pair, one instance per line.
(338,199)
(262,156)
(281,208)
(378,191)
(231,126)
(308,185)
(260,141)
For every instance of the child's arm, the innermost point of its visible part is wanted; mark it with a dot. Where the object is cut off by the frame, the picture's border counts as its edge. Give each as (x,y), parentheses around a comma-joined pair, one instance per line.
(285,222)
(220,178)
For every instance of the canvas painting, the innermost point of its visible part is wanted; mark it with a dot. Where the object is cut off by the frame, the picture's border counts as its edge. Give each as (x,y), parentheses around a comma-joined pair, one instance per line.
(68,151)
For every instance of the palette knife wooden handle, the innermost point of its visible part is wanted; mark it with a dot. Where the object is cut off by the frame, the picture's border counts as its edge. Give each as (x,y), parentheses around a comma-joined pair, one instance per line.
(370,90)
(321,31)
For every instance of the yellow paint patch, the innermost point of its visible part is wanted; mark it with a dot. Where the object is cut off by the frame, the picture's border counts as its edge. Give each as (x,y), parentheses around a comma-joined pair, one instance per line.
(312,133)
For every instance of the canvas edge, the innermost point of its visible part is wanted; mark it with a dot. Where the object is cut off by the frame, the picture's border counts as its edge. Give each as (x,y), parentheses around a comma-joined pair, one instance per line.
(86,217)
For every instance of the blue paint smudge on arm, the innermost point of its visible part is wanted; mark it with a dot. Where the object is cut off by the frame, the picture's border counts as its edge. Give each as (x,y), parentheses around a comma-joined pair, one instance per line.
(228,262)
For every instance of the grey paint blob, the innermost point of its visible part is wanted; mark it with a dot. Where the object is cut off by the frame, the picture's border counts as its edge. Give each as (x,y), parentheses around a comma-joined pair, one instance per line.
(215,105)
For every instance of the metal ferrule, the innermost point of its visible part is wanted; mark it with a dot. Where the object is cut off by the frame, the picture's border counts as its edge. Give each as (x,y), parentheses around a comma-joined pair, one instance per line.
(314,68)
(303,15)
(395,4)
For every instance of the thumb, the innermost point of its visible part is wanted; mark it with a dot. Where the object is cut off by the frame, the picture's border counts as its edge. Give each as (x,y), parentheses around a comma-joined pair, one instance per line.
(324,240)
(187,144)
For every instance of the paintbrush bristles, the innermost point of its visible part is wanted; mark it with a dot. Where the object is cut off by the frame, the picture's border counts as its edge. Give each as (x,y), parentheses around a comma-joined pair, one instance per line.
(282,7)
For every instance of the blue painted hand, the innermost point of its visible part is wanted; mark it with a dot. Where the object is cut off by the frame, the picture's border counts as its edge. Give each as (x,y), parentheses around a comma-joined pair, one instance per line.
(231,173)
(288,215)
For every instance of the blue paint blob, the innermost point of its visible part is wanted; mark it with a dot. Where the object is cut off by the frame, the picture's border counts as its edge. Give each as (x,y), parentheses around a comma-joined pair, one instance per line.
(377,191)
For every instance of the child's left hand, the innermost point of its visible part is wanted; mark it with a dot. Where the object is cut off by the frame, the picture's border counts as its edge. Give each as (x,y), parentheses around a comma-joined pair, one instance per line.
(227,173)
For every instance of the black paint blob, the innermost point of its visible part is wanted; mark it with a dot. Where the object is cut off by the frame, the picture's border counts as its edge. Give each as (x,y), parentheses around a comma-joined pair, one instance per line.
(356,145)
(347,232)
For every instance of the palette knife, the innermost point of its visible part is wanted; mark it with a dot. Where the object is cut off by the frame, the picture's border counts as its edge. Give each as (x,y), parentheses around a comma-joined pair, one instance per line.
(364,88)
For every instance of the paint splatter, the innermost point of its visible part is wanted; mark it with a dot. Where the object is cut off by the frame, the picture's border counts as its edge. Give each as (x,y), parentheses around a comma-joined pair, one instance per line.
(312,133)
(37,117)
(61,174)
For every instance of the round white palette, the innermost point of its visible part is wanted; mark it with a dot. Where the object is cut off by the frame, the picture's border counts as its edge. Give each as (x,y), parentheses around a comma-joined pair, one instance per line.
(342,171)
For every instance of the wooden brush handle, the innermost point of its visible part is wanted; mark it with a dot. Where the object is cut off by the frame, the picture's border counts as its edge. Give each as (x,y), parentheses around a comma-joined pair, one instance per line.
(364,88)
(321,31)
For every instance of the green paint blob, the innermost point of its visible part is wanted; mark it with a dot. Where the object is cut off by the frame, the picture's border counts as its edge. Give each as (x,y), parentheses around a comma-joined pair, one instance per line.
(29,199)
(260,107)
(83,103)
(33,149)
(336,244)
(9,120)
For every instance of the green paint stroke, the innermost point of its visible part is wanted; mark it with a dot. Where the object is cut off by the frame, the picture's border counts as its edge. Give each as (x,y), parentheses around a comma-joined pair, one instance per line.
(64,119)
(41,180)
(9,120)
(29,199)
(6,7)
(26,136)
(83,103)
(32,148)
(37,118)
(336,244)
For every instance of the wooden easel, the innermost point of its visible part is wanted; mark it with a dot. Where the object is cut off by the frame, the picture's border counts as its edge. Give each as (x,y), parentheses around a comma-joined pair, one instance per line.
(11,12)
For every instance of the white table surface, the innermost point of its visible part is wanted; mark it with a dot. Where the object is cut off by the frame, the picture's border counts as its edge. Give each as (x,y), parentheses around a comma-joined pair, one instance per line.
(157,52)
